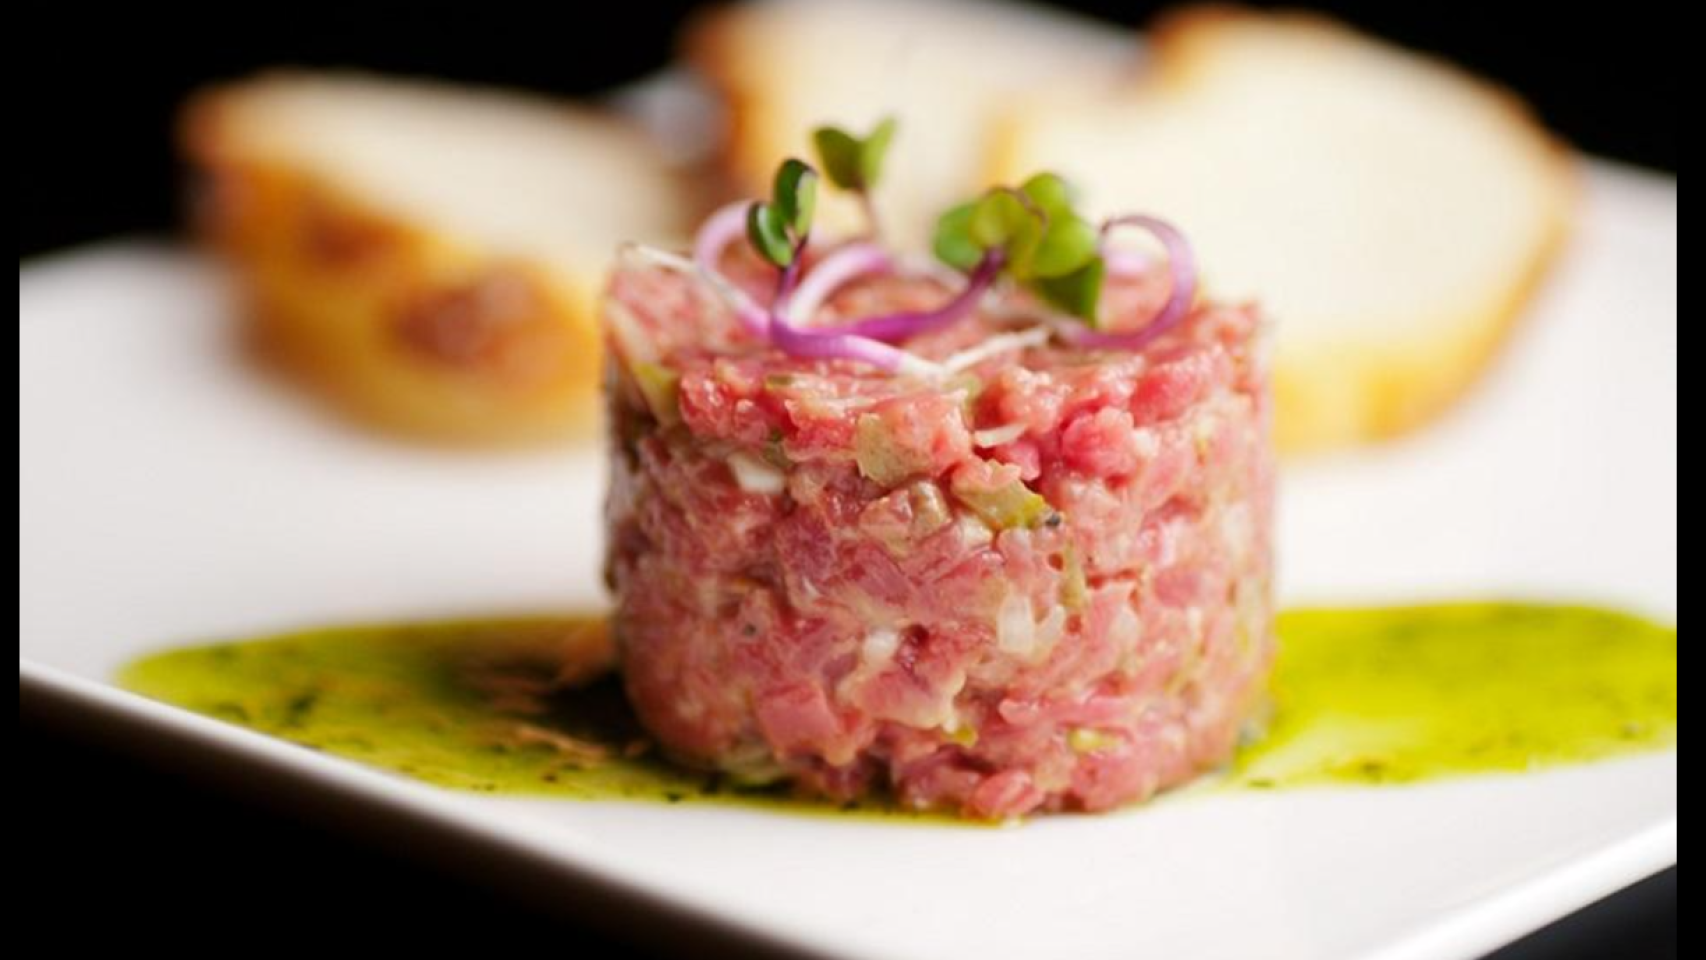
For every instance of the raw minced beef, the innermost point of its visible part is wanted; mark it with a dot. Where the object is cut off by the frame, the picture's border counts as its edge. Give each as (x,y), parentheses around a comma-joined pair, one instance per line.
(1039,584)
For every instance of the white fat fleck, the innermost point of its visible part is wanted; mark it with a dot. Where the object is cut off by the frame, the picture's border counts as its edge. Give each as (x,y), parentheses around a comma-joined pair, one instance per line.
(1016,626)
(876,653)
(973,531)
(998,344)
(878,647)
(754,475)
(1018,632)
(1146,443)
(996,436)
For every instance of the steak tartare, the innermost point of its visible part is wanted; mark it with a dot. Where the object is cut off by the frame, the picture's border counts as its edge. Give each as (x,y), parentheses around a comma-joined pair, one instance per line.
(1035,577)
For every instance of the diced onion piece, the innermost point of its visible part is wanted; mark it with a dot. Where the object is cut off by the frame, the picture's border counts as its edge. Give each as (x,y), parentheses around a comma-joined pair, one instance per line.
(753,475)
(878,647)
(996,436)
(1016,626)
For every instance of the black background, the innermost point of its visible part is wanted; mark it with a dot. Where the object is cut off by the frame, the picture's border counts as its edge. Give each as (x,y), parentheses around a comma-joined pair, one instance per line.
(130,853)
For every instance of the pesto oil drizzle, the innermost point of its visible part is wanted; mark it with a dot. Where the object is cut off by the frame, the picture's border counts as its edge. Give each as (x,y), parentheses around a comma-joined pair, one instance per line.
(1399,694)
(529,705)
(517,706)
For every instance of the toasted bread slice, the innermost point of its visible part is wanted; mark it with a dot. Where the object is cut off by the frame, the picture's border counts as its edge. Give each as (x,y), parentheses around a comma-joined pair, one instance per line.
(431,256)
(943,68)
(1390,212)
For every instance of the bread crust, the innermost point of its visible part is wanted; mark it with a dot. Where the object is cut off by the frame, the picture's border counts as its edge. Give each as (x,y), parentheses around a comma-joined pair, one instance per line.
(1342,394)
(713,44)
(396,322)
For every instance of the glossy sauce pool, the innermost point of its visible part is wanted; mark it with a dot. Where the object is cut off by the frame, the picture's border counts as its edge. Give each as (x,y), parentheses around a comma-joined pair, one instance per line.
(1361,695)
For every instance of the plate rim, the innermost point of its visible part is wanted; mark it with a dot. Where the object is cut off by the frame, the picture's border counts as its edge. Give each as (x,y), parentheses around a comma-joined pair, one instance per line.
(133,723)
(137,723)
(1470,930)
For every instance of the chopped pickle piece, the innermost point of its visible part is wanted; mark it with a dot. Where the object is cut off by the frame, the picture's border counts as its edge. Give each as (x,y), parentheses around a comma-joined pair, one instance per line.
(661,387)
(1007,506)
(879,457)
(1086,740)
(1074,591)
(963,736)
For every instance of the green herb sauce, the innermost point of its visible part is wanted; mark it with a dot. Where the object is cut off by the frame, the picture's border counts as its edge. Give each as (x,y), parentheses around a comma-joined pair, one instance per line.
(520,705)
(1395,695)
(530,706)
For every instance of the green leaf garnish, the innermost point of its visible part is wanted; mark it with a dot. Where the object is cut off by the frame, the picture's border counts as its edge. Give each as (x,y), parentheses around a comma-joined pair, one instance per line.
(875,151)
(1044,243)
(1008,221)
(1067,244)
(1001,217)
(795,194)
(778,229)
(767,229)
(1078,292)
(838,151)
(852,162)
(1049,192)
(953,243)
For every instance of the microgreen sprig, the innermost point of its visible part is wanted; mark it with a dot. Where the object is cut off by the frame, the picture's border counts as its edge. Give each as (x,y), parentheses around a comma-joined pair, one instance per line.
(854,163)
(1044,244)
(1031,234)
(778,228)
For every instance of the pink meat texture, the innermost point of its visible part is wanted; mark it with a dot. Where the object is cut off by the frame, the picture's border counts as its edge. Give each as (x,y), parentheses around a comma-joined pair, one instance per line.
(1041,584)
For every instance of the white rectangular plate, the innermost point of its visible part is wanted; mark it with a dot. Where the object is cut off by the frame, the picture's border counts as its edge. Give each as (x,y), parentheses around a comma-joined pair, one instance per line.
(170,495)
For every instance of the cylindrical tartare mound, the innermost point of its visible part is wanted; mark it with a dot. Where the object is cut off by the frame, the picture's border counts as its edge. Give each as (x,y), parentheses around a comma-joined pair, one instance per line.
(1041,583)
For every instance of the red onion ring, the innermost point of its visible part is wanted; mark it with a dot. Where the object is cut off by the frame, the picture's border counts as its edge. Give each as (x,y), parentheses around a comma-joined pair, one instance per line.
(718,231)
(898,326)
(1181,269)
(801,294)
(835,344)
(846,264)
